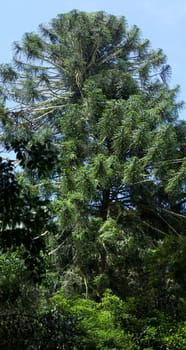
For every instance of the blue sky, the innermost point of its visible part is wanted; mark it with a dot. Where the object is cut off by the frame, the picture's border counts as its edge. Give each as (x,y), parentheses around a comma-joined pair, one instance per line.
(161,21)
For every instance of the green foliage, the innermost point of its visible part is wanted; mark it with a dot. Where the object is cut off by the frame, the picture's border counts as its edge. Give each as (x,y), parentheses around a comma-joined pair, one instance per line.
(19,299)
(23,218)
(98,323)
(98,199)
(162,333)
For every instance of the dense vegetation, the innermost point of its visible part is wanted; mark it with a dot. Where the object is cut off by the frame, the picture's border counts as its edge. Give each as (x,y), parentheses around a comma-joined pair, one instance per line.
(92,210)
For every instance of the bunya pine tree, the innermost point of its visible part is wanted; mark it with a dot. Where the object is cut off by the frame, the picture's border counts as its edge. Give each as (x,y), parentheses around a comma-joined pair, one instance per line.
(95,128)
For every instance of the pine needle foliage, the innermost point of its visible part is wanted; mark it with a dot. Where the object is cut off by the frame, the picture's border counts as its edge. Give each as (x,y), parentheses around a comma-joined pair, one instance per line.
(94,125)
